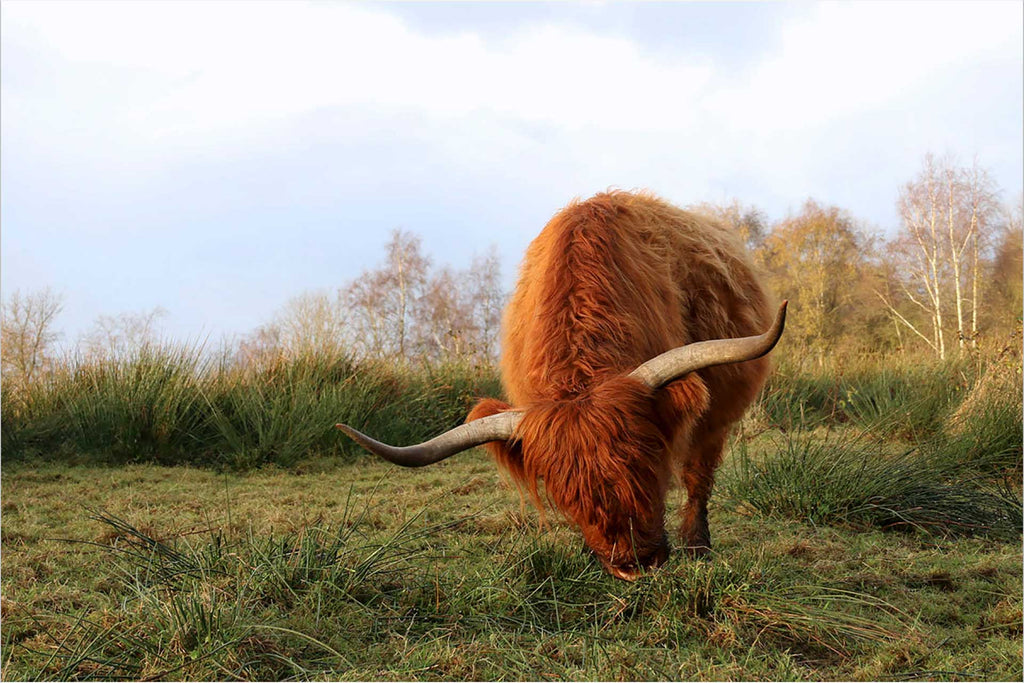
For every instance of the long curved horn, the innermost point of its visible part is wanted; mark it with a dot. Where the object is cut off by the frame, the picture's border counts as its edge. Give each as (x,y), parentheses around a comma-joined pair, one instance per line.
(679,361)
(500,427)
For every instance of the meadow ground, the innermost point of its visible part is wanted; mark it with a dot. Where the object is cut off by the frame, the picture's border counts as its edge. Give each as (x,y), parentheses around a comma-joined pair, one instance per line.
(360,570)
(163,518)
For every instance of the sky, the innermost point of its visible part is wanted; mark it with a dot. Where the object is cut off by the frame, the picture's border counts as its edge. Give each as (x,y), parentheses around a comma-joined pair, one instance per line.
(217,159)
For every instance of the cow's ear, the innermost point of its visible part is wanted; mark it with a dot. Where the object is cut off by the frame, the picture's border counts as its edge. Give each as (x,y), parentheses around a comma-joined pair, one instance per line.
(509,455)
(487,407)
(680,403)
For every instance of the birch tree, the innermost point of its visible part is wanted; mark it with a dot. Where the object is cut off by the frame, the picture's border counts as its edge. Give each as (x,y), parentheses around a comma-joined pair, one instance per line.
(487,301)
(382,301)
(921,244)
(947,214)
(460,312)
(445,327)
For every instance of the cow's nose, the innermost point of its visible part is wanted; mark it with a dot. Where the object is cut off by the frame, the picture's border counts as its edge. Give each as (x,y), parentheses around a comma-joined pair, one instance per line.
(631,574)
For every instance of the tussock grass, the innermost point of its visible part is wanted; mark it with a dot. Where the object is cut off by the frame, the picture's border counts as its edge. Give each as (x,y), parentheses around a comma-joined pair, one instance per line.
(169,405)
(984,431)
(908,400)
(146,406)
(956,480)
(843,482)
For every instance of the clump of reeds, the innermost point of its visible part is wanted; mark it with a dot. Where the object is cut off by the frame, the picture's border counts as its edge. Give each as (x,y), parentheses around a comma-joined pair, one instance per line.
(985,430)
(169,404)
(892,397)
(953,482)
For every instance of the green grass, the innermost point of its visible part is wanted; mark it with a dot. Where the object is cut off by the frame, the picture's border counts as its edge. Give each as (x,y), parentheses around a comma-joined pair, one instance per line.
(171,405)
(365,571)
(167,405)
(960,477)
(907,399)
(863,530)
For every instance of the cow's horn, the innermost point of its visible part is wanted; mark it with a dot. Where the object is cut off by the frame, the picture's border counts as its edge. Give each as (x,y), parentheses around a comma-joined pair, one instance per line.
(673,364)
(500,427)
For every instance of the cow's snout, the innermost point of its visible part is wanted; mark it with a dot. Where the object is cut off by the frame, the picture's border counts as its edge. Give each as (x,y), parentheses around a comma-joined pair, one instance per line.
(631,571)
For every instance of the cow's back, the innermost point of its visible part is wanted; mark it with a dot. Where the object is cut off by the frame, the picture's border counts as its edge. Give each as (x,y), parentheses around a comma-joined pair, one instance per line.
(617,279)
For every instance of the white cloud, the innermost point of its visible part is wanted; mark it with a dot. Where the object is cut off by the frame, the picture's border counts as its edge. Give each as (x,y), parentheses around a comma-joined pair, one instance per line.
(166,79)
(138,113)
(216,70)
(843,58)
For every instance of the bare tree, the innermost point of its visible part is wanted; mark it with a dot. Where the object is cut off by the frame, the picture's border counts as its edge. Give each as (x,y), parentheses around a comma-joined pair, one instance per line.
(28,334)
(747,220)
(922,246)
(313,321)
(121,335)
(956,244)
(970,204)
(403,309)
(408,269)
(382,301)
(369,301)
(444,325)
(400,309)
(487,299)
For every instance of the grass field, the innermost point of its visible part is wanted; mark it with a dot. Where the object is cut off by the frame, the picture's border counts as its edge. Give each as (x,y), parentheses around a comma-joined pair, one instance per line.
(863,531)
(365,571)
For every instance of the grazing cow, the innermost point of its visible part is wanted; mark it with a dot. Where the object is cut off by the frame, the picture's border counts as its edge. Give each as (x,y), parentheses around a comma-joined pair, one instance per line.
(630,347)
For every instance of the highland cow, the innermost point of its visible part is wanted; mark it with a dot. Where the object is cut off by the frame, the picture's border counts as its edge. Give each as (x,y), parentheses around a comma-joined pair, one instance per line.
(634,340)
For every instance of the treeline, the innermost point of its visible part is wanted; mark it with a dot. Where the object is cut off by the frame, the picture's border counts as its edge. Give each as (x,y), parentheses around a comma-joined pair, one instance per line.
(898,336)
(947,282)
(404,308)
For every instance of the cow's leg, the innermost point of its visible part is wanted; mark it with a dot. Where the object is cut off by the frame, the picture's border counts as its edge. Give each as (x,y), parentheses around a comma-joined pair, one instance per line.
(698,476)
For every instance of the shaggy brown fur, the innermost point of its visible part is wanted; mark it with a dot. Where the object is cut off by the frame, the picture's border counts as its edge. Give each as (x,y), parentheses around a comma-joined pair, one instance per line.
(610,283)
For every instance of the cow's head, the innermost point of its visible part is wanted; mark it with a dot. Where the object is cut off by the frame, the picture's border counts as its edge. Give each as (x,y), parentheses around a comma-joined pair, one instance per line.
(601,453)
